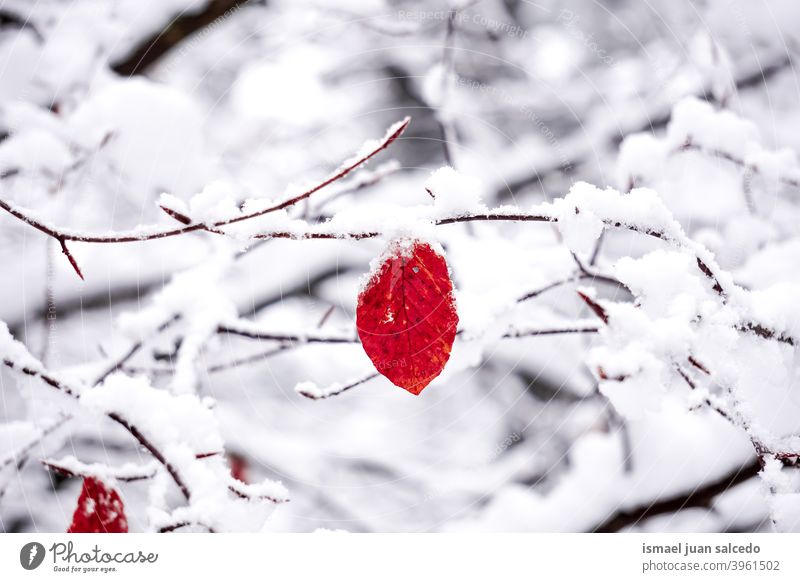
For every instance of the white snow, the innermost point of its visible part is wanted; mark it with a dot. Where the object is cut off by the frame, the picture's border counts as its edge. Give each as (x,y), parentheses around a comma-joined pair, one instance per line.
(699,361)
(455,193)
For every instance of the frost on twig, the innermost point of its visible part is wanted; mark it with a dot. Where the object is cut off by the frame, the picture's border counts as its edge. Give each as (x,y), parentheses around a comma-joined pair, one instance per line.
(180,432)
(368,151)
(72,467)
(314,392)
(666,305)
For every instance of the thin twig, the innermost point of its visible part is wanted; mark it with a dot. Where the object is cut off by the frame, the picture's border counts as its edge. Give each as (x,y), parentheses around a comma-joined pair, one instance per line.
(548,287)
(328,393)
(65,388)
(240,490)
(134,349)
(87,471)
(702,264)
(766,333)
(63,236)
(326,315)
(180,524)
(551,331)
(157,454)
(23,452)
(168,370)
(747,167)
(596,308)
(311,338)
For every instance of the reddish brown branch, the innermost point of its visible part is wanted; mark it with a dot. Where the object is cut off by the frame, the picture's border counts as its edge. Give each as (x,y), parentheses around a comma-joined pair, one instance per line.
(213,369)
(322,394)
(71,258)
(180,217)
(554,331)
(62,235)
(385,143)
(596,308)
(126,476)
(43,376)
(603,375)
(67,472)
(158,455)
(581,274)
(546,288)
(116,417)
(237,489)
(766,333)
(699,365)
(715,285)
(281,337)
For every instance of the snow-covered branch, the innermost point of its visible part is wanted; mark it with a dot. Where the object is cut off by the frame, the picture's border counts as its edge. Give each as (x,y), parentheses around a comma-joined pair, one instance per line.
(63,236)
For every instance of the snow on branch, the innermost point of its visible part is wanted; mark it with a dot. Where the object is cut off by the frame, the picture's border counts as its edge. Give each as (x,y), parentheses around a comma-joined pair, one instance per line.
(368,151)
(251,330)
(21,438)
(314,392)
(179,431)
(72,467)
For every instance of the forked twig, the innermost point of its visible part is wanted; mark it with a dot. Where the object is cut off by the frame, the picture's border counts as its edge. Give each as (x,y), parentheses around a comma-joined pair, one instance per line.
(63,235)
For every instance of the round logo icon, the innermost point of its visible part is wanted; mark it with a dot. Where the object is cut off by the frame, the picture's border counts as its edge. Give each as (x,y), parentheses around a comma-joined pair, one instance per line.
(31,555)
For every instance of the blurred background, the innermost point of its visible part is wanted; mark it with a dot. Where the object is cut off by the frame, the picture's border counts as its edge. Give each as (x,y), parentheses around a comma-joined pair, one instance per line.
(106,105)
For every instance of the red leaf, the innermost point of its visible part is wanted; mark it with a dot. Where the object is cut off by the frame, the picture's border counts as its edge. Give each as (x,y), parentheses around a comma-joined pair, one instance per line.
(239,468)
(406,315)
(99,510)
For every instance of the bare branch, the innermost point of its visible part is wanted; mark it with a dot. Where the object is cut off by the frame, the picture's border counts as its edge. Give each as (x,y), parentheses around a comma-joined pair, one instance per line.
(251,331)
(234,363)
(546,288)
(551,331)
(325,316)
(578,276)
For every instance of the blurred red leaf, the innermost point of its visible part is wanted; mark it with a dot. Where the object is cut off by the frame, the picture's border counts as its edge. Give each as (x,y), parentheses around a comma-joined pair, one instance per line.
(239,467)
(99,510)
(406,315)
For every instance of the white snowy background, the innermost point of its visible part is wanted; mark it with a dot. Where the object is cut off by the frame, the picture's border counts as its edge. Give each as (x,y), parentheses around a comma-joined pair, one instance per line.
(655,141)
